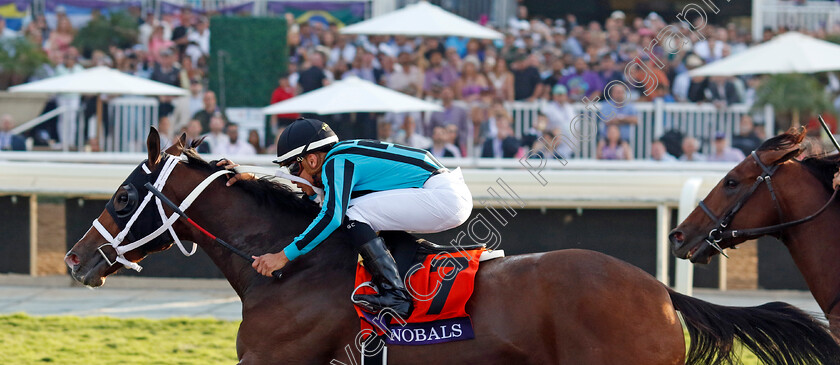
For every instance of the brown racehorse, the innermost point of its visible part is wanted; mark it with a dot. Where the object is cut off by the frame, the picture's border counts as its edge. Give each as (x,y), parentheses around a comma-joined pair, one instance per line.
(800,189)
(561,307)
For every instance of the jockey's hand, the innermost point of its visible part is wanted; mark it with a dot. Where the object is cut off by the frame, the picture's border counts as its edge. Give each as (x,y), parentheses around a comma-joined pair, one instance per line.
(836,181)
(270,262)
(230,165)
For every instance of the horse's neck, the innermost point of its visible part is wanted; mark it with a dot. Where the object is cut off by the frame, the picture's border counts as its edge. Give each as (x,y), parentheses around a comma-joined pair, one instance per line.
(239,220)
(815,248)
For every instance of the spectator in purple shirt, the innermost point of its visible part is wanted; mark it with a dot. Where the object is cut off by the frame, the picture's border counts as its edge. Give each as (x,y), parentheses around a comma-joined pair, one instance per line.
(583,82)
(723,152)
(439,75)
(609,71)
(451,115)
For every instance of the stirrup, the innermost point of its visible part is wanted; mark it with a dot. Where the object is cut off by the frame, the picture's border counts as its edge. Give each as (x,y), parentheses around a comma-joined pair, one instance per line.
(362,285)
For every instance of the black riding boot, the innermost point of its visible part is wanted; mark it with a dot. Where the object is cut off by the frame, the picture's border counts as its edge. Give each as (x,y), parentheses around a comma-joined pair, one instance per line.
(392,293)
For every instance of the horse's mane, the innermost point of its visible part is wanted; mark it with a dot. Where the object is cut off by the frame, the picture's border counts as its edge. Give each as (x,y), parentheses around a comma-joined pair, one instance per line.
(822,167)
(263,190)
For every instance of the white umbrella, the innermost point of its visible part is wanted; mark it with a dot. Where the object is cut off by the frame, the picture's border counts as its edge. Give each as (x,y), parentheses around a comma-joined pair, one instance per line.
(99,80)
(421,19)
(351,95)
(791,52)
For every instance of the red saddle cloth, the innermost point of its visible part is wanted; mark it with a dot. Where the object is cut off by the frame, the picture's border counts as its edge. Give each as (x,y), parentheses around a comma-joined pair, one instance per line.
(440,287)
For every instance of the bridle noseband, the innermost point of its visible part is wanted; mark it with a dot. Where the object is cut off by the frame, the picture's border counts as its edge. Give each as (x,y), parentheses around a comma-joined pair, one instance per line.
(719,233)
(126,220)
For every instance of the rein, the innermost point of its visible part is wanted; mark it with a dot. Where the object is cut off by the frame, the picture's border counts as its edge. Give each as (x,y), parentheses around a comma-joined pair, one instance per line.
(720,233)
(166,222)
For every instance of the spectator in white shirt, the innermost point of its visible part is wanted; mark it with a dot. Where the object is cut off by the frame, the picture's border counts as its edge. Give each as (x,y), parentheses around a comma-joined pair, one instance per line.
(6,33)
(560,112)
(407,135)
(236,145)
(144,31)
(199,40)
(216,139)
(690,148)
(407,77)
(659,153)
(196,98)
(342,50)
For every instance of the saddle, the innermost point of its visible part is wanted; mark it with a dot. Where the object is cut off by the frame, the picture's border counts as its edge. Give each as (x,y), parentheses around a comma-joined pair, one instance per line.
(407,249)
(441,280)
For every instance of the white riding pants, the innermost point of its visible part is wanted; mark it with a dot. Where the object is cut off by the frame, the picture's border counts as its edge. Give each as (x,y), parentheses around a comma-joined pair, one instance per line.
(444,202)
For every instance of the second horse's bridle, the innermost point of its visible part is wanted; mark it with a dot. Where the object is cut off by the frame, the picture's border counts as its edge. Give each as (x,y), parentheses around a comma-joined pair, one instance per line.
(719,233)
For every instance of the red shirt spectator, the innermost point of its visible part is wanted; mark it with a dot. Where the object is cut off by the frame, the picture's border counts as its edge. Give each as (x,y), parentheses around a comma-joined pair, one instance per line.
(282,92)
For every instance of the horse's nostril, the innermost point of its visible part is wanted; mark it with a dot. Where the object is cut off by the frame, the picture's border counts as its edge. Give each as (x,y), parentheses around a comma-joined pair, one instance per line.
(71,259)
(677,237)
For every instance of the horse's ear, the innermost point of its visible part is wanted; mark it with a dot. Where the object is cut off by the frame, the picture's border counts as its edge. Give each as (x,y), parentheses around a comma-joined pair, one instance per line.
(788,155)
(792,149)
(182,141)
(153,146)
(179,145)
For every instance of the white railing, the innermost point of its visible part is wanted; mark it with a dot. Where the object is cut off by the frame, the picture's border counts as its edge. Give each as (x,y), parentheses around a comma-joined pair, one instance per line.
(38,120)
(130,119)
(700,121)
(811,16)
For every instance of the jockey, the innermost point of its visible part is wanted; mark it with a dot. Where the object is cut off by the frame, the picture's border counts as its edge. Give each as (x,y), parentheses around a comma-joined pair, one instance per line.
(368,186)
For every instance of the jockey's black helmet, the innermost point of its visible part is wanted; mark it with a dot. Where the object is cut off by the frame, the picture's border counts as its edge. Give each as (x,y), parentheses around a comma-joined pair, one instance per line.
(301,137)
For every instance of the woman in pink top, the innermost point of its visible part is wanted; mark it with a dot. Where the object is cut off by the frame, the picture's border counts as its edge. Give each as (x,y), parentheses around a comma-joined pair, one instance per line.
(61,38)
(157,43)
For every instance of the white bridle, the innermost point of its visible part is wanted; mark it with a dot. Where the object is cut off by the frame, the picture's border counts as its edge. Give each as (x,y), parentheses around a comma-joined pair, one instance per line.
(115,241)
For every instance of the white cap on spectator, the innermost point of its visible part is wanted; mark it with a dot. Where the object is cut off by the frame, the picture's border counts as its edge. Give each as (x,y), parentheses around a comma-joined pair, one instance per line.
(60,9)
(693,61)
(618,14)
(472,59)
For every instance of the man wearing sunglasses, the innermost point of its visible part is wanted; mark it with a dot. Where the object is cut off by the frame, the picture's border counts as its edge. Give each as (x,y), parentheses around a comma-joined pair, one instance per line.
(368,186)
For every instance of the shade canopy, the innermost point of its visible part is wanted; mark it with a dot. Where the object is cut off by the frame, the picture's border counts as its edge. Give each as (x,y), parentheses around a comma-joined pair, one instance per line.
(351,95)
(422,19)
(791,52)
(99,80)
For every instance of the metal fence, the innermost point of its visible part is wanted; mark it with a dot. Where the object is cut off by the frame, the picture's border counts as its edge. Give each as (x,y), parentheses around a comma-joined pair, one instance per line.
(497,11)
(700,121)
(811,16)
(130,118)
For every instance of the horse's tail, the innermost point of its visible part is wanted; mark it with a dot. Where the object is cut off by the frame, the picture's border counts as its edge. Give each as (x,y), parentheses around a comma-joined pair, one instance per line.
(777,333)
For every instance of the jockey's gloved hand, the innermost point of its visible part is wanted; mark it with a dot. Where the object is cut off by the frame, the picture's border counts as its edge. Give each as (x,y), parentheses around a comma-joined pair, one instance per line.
(230,165)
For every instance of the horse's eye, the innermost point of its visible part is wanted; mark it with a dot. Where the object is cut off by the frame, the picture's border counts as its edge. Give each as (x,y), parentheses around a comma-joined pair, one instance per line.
(730,184)
(123,198)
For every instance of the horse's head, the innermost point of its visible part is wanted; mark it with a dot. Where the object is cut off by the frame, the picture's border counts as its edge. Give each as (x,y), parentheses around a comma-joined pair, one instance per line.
(129,227)
(747,197)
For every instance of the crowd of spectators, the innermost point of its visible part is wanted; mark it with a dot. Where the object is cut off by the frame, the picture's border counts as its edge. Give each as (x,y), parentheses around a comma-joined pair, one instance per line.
(555,62)
(172,49)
